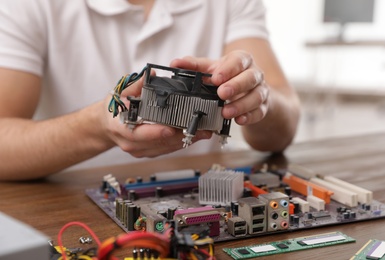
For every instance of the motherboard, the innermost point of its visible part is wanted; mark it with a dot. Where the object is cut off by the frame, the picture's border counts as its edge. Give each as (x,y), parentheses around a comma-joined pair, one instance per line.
(229,204)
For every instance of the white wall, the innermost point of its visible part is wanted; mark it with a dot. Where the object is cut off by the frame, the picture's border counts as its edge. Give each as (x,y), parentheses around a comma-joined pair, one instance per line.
(292,23)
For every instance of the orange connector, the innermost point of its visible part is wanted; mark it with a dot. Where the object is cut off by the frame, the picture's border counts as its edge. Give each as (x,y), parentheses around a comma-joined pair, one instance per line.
(291,208)
(301,186)
(254,189)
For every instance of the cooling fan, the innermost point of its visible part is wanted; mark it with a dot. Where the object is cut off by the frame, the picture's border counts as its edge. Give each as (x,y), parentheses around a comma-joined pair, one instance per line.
(183,101)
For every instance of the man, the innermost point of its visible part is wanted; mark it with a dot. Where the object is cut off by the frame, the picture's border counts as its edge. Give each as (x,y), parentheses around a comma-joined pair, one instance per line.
(59,59)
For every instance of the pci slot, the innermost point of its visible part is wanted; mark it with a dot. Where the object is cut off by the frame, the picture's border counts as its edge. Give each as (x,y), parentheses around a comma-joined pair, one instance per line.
(364,196)
(341,194)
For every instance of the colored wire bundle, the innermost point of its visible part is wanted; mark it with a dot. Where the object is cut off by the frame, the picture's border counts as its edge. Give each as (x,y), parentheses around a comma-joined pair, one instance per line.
(122,84)
(200,253)
(170,243)
(154,241)
(60,242)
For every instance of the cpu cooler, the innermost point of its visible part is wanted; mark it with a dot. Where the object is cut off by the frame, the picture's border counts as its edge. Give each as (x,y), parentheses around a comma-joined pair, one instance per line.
(183,101)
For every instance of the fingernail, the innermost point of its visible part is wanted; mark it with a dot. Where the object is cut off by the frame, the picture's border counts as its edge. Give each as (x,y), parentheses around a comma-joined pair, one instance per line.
(242,120)
(229,92)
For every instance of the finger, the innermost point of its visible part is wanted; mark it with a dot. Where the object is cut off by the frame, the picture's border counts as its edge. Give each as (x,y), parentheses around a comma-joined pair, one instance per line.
(192,63)
(230,66)
(241,83)
(254,116)
(147,133)
(152,132)
(247,102)
(166,145)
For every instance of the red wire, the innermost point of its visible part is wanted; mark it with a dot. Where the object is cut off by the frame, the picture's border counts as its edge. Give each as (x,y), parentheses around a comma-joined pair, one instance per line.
(137,239)
(74,223)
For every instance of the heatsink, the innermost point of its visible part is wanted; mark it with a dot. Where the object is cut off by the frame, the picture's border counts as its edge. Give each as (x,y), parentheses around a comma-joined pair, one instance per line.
(183,101)
(220,187)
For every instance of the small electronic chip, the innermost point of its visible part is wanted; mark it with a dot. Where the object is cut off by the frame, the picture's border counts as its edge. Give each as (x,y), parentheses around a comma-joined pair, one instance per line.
(374,249)
(282,246)
(243,251)
(289,245)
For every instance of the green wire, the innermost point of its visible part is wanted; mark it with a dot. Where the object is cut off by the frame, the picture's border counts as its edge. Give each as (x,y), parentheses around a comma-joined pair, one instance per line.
(122,84)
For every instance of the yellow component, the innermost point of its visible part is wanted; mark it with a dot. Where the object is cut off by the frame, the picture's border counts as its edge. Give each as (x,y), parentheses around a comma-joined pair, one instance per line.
(59,250)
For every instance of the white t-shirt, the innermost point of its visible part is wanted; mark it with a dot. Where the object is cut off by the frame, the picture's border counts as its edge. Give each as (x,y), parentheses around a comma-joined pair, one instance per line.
(81,48)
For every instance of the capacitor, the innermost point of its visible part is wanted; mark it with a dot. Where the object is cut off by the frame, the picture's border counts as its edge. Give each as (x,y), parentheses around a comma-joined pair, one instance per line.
(346,215)
(132,195)
(158,192)
(296,220)
(291,219)
(234,207)
(171,213)
(132,216)
(296,207)
(247,193)
(288,190)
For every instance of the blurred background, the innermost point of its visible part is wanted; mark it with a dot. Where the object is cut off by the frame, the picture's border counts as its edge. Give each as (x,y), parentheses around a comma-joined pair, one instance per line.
(333,53)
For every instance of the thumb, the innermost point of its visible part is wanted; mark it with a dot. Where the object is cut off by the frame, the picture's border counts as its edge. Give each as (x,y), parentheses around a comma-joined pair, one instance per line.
(204,65)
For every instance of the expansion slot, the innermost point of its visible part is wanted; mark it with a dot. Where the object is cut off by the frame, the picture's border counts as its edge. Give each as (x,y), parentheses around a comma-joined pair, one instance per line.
(302,186)
(364,196)
(341,194)
(290,245)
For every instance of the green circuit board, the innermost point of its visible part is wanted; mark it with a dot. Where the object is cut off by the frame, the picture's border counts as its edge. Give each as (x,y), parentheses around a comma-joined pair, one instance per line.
(373,249)
(290,245)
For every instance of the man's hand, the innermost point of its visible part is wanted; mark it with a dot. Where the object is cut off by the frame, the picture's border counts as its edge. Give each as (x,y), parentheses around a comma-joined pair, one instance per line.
(239,81)
(268,111)
(145,140)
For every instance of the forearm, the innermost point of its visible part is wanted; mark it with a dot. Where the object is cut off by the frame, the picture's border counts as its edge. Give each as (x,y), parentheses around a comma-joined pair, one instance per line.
(277,130)
(33,149)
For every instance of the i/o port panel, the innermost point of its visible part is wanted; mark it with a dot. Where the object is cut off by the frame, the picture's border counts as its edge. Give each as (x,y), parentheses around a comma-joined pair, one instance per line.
(277,215)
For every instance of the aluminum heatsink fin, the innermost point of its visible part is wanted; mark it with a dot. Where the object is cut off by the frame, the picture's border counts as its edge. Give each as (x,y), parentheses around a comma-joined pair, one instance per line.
(220,187)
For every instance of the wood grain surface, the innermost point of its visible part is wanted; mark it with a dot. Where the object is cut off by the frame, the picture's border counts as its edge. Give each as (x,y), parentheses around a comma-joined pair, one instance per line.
(49,204)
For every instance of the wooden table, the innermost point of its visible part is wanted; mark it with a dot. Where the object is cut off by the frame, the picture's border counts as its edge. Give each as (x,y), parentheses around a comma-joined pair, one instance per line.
(49,204)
